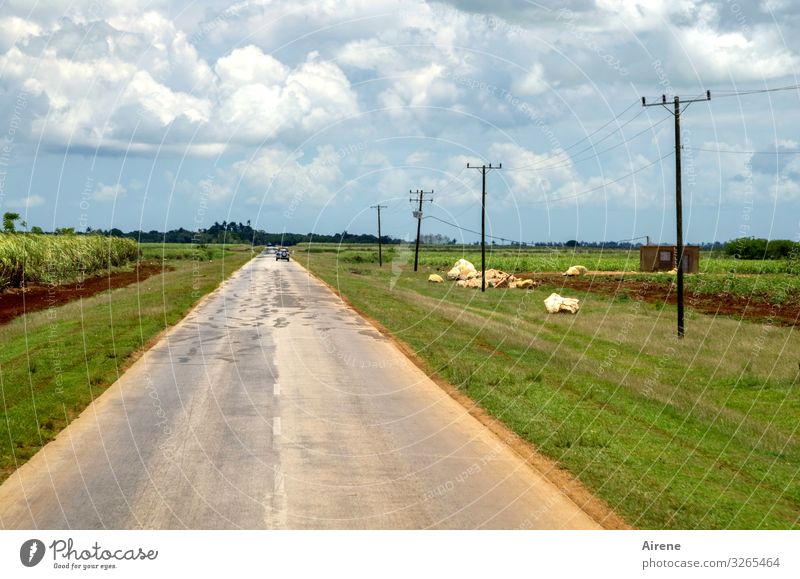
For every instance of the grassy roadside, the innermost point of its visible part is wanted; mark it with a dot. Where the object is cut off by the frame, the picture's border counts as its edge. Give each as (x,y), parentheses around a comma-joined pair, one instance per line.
(697,434)
(54,362)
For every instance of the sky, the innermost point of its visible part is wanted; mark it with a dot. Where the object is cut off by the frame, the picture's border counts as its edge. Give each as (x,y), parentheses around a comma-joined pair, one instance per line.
(299,116)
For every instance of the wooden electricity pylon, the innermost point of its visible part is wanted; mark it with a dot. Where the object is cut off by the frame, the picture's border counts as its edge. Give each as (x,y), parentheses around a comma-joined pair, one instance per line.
(676,112)
(418,214)
(483,169)
(380,252)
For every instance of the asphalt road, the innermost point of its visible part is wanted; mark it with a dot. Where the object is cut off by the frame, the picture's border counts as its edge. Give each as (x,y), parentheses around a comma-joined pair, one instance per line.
(273,405)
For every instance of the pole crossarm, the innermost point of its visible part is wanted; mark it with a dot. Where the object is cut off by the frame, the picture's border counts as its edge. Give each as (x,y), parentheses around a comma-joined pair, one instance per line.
(664,101)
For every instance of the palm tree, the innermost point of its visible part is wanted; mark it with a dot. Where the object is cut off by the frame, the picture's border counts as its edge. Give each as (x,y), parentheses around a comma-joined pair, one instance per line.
(8,221)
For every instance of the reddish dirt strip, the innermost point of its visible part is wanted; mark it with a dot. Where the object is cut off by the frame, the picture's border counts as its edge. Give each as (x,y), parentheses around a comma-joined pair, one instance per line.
(755,307)
(18,301)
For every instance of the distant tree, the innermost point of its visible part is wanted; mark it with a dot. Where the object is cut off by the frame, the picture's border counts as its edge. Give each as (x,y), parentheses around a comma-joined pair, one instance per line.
(571,243)
(37,230)
(9,219)
(754,248)
(65,231)
(781,248)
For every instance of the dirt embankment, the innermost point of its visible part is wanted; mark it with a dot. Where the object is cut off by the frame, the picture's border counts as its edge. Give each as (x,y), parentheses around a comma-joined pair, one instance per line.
(15,302)
(754,307)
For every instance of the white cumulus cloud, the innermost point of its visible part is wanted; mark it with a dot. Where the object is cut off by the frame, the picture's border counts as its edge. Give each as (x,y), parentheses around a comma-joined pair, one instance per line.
(106,193)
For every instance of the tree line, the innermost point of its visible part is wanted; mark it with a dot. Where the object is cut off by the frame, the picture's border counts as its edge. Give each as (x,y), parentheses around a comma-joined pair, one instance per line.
(225,232)
(233,232)
(759,248)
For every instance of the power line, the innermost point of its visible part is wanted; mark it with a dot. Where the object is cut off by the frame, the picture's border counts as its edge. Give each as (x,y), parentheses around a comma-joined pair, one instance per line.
(606,150)
(593,133)
(512,241)
(590,135)
(732,93)
(542,166)
(582,193)
(645,237)
(615,131)
(538,164)
(628,140)
(707,150)
(452,180)
(451,224)
(454,225)
(607,183)
(593,189)
(469,208)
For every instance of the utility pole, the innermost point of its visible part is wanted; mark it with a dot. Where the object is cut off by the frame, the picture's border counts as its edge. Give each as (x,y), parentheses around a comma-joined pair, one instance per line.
(418,214)
(380,253)
(676,112)
(483,169)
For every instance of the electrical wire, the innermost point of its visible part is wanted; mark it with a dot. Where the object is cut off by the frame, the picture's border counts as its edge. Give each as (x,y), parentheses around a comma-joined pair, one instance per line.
(586,192)
(451,181)
(611,148)
(707,150)
(728,93)
(607,183)
(632,239)
(472,230)
(566,150)
(615,131)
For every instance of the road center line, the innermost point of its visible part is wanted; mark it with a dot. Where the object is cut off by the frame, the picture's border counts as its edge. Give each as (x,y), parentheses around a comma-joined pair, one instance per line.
(277,483)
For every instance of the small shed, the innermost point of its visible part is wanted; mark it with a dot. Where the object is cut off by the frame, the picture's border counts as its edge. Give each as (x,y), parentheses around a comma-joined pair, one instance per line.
(665,258)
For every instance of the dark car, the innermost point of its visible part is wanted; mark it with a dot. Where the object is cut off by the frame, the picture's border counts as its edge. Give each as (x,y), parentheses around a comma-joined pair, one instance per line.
(282,253)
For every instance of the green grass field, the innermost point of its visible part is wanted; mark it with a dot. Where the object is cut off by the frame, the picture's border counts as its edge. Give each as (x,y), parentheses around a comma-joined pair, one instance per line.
(54,362)
(541,259)
(777,281)
(184,251)
(699,433)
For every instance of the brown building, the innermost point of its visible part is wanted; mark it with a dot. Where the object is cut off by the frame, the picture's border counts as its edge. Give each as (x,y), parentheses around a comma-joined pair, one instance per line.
(665,258)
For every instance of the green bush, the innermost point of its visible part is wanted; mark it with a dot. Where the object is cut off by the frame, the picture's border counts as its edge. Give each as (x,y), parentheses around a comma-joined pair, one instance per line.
(758,248)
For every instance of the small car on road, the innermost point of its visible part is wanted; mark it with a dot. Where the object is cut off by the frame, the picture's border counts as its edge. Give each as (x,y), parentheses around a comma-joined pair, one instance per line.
(282,253)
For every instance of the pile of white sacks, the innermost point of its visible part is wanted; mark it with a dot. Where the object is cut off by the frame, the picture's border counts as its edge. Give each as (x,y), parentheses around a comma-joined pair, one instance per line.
(465,275)
(575,271)
(555,304)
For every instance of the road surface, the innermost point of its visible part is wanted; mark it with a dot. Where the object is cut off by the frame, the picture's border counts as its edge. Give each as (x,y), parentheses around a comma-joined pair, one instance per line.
(273,405)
